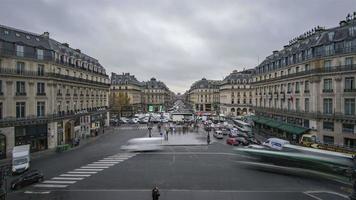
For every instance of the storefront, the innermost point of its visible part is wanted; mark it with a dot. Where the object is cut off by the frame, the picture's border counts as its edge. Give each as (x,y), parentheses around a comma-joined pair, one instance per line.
(35,135)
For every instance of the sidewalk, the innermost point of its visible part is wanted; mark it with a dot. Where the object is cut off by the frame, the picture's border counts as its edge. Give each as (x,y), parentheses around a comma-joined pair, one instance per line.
(48,152)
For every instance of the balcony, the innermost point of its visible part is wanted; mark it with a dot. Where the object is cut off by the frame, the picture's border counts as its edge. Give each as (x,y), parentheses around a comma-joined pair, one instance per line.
(41,94)
(20,94)
(29,120)
(350,90)
(341,68)
(297,91)
(67,95)
(27,73)
(306,91)
(327,90)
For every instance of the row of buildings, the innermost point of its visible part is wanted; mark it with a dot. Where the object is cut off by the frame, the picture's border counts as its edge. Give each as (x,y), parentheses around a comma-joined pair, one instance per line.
(306,87)
(145,96)
(51,93)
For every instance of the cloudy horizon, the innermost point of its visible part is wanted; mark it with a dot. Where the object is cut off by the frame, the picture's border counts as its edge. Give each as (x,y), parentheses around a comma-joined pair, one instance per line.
(177,42)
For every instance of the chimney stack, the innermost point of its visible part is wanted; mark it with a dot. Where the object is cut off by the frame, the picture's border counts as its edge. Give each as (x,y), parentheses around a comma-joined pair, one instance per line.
(45,34)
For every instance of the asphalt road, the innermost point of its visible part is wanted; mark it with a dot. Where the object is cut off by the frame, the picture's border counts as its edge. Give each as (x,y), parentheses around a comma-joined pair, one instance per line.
(100,170)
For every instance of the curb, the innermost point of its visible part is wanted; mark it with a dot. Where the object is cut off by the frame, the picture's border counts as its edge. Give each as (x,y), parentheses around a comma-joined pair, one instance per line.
(184,145)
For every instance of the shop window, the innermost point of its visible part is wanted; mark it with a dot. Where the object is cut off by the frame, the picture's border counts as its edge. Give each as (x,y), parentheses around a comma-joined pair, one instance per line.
(348,128)
(328,139)
(328,126)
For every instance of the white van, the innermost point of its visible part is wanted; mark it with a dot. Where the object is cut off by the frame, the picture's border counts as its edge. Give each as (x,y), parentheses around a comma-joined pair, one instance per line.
(275,143)
(143,144)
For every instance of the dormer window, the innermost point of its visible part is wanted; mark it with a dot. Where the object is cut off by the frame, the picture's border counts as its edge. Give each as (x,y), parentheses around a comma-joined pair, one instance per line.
(331,35)
(20,50)
(40,54)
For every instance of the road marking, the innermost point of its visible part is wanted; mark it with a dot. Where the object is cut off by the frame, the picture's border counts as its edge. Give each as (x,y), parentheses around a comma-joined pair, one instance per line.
(67,178)
(111,160)
(75,172)
(64,182)
(76,175)
(101,164)
(311,194)
(35,192)
(94,167)
(92,170)
(50,186)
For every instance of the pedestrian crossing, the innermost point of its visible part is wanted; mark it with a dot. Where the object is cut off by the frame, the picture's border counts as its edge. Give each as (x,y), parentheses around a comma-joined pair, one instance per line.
(71,177)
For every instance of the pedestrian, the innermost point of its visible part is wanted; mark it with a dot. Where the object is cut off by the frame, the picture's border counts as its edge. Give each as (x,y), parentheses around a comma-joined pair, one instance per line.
(167,131)
(155,193)
(208,139)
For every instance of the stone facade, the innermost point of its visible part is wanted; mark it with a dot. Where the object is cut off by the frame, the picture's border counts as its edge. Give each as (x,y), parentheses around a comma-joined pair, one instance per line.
(311,83)
(44,83)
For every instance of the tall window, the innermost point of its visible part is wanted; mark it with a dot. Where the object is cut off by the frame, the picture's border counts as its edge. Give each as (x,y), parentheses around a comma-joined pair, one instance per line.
(297,87)
(327,64)
(20,88)
(328,139)
(306,104)
(328,86)
(40,88)
(20,50)
(289,88)
(40,70)
(348,61)
(306,86)
(40,108)
(20,109)
(40,54)
(349,83)
(1,110)
(20,67)
(328,126)
(1,93)
(349,106)
(348,128)
(328,106)
(297,104)
(289,104)
(307,67)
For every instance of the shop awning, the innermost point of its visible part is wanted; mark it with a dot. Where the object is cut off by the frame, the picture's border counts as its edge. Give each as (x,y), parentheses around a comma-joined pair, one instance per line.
(289,128)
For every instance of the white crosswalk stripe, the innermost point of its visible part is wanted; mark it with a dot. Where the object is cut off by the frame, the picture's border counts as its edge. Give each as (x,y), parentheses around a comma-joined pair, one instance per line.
(67,178)
(60,182)
(94,167)
(90,170)
(71,177)
(50,186)
(75,175)
(75,172)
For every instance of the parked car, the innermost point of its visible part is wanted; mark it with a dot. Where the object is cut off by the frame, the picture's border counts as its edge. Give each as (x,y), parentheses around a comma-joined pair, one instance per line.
(232,135)
(124,120)
(218,135)
(232,141)
(242,140)
(143,120)
(28,178)
(134,120)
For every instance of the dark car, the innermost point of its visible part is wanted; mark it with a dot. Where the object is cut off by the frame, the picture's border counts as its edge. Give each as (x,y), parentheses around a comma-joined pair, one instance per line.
(242,140)
(28,178)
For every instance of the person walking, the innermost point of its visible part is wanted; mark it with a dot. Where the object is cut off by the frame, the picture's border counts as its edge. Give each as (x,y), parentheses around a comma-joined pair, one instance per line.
(155,193)
(208,138)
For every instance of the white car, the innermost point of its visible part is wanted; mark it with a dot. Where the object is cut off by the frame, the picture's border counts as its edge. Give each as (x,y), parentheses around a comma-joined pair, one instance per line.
(218,135)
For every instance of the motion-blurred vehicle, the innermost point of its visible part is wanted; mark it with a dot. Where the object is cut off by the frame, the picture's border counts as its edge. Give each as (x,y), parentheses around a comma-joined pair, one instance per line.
(275,143)
(143,144)
(28,178)
(218,135)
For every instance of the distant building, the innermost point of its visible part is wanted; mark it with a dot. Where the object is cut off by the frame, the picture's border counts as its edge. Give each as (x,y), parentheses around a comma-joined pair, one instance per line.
(204,96)
(125,85)
(50,93)
(236,94)
(156,96)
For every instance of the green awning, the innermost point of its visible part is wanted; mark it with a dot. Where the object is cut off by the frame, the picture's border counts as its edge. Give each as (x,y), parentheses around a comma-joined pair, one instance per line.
(289,128)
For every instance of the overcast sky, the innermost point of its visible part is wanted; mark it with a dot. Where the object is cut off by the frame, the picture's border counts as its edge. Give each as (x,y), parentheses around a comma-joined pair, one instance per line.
(180,41)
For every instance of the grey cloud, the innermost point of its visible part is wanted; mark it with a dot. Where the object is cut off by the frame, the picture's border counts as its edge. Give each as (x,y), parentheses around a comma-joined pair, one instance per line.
(177,42)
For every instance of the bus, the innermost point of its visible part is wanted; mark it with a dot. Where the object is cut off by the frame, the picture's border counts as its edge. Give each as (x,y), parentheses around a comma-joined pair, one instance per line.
(243,126)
